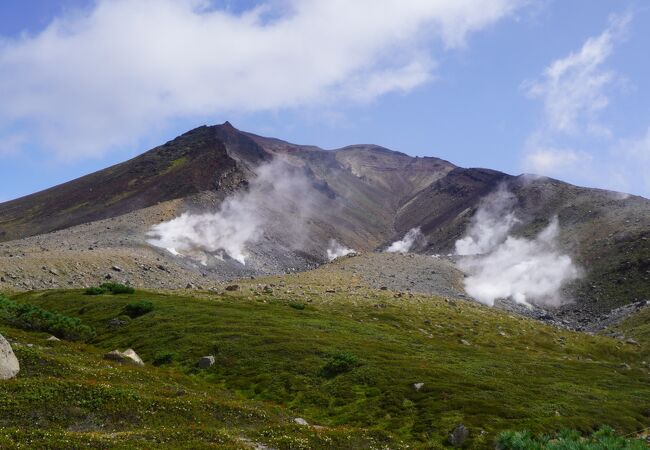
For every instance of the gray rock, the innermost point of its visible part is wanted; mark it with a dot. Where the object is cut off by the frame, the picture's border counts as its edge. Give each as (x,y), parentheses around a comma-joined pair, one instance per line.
(116,322)
(418,386)
(300,421)
(53,339)
(206,362)
(458,436)
(116,268)
(128,356)
(9,366)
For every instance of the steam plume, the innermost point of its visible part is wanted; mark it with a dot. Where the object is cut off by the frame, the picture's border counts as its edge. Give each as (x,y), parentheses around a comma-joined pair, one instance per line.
(502,266)
(279,200)
(336,250)
(406,243)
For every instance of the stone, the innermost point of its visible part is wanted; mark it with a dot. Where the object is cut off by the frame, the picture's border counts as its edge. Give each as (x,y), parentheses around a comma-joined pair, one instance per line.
(128,356)
(232,287)
(418,386)
(301,421)
(116,322)
(53,339)
(9,366)
(116,268)
(206,362)
(464,342)
(458,436)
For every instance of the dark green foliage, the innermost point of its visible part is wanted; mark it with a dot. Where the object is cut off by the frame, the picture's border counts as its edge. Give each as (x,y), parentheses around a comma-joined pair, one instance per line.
(267,352)
(94,291)
(30,317)
(296,305)
(603,439)
(137,309)
(117,288)
(339,363)
(163,358)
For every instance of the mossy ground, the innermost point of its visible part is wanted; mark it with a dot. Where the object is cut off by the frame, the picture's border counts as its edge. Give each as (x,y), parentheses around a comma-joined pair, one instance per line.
(480,367)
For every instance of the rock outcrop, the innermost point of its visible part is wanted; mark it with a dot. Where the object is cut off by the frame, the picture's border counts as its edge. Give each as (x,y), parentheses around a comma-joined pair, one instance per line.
(9,366)
(128,356)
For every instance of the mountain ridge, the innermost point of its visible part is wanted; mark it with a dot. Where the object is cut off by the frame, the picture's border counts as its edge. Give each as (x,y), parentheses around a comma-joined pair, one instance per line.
(375,195)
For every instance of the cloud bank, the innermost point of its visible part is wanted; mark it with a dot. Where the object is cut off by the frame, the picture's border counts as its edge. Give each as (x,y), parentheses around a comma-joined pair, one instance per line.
(271,204)
(528,271)
(104,77)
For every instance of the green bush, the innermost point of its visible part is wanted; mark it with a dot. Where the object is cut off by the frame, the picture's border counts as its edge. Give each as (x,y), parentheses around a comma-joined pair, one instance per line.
(163,358)
(137,309)
(340,363)
(296,305)
(605,438)
(30,317)
(117,288)
(94,291)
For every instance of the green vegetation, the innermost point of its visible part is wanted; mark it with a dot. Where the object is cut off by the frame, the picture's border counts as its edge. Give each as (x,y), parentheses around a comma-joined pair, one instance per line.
(117,288)
(94,291)
(137,309)
(112,288)
(348,363)
(339,363)
(163,358)
(175,164)
(30,317)
(603,439)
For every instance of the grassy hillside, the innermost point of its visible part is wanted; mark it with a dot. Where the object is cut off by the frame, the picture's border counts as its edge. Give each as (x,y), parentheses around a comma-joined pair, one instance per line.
(344,360)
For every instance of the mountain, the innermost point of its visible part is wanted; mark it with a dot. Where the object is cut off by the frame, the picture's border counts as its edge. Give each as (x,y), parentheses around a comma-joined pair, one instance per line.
(372,197)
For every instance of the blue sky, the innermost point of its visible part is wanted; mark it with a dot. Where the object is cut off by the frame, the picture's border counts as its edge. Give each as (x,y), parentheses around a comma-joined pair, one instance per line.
(558,88)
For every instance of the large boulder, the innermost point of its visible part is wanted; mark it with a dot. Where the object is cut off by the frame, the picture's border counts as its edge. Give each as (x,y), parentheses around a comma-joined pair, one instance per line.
(127,356)
(206,362)
(458,436)
(9,366)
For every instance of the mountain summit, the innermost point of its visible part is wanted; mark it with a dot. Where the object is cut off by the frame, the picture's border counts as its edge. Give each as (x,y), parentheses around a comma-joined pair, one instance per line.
(374,196)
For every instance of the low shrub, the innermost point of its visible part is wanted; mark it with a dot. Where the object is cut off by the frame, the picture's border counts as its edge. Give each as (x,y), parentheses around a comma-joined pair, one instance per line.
(162,358)
(30,317)
(117,288)
(94,291)
(340,363)
(605,438)
(137,309)
(296,305)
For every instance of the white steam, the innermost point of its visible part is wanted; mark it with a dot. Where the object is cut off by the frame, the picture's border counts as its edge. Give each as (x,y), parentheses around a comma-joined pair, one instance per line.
(501,266)
(280,197)
(406,243)
(336,250)
(490,225)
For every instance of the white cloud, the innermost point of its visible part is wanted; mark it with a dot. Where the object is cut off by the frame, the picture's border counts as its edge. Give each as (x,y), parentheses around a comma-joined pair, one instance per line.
(103,78)
(544,159)
(573,88)
(575,94)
